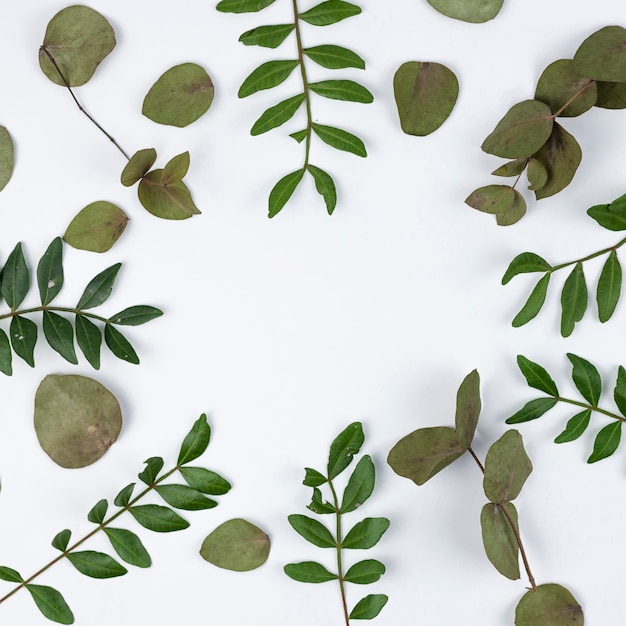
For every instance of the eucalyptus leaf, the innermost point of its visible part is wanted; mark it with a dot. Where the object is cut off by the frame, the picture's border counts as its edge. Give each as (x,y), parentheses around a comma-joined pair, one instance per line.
(267,36)
(586,378)
(329,12)
(534,303)
(576,426)
(514,213)
(474,11)
(138,166)
(128,546)
(606,442)
(7,157)
(369,607)
(507,467)
(96,227)
(99,288)
(309,572)
(526,262)
(468,407)
(537,174)
(602,56)
(493,199)
(512,168)
(560,84)
(611,95)
(536,376)
(548,605)
(167,200)
(499,538)
(532,410)
(50,272)
(574,298)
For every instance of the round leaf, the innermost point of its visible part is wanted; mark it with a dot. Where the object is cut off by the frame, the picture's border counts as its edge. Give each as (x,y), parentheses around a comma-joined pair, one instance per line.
(492,198)
(7,157)
(180,96)
(237,545)
(549,605)
(475,11)
(507,467)
(96,227)
(138,166)
(76,419)
(78,39)
(559,83)
(602,56)
(425,96)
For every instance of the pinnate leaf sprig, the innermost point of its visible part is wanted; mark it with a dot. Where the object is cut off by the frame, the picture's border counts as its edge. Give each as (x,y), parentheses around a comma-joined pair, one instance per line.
(530,135)
(273,73)
(15,283)
(363,535)
(426,451)
(588,382)
(192,496)
(574,296)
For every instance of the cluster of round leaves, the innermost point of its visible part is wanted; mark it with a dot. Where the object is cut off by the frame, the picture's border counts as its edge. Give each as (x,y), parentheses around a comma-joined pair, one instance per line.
(530,135)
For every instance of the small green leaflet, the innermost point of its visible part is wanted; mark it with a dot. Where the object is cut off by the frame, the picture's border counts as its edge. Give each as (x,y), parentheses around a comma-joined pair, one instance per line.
(23,333)
(366,533)
(347,90)
(277,115)
(369,607)
(282,191)
(51,604)
(606,442)
(61,540)
(242,6)
(266,76)
(334,57)
(340,139)
(96,564)
(325,187)
(586,378)
(119,345)
(329,12)
(97,514)
(267,36)
(532,410)
(15,278)
(309,572)
(99,288)
(360,485)
(365,572)
(536,376)
(523,263)
(619,393)
(533,304)
(128,546)
(205,480)
(50,272)
(184,497)
(573,300)
(60,335)
(609,287)
(576,426)
(313,531)
(195,442)
(342,450)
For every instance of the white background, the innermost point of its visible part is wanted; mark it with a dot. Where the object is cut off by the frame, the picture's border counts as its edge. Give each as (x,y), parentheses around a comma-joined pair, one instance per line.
(284,331)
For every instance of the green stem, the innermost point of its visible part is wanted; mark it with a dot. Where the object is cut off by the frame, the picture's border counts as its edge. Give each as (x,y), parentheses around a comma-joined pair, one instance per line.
(590,407)
(305,84)
(54,308)
(589,257)
(342,582)
(98,528)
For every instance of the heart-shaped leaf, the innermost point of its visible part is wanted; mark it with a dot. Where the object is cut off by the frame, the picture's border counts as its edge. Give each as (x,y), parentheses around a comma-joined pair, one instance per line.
(96,227)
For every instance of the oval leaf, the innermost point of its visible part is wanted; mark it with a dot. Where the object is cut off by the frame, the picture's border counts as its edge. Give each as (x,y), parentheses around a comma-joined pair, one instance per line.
(158,518)
(340,139)
(60,335)
(242,6)
(365,572)
(15,278)
(524,263)
(536,376)
(360,485)
(548,605)
(89,340)
(560,83)
(602,56)
(309,572)
(313,531)
(96,564)
(329,12)
(574,298)
(369,606)
(611,95)
(96,227)
(99,288)
(282,191)
(98,512)
(347,90)
(138,166)
(334,57)
(325,187)
(343,448)
(277,115)
(50,272)
(167,200)
(6,356)
(499,539)
(609,287)
(619,393)
(51,604)
(7,157)
(267,36)
(366,533)
(492,199)
(534,303)
(474,11)
(606,442)
(128,547)
(195,442)
(184,497)
(586,378)
(468,407)
(119,345)
(23,333)
(532,410)
(610,216)
(507,467)
(576,426)
(266,76)
(136,315)
(205,481)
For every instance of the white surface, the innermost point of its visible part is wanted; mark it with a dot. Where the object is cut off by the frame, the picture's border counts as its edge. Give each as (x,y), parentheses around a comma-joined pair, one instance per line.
(286,330)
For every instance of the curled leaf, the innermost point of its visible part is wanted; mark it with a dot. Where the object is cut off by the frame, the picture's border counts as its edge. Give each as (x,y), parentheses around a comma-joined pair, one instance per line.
(96,227)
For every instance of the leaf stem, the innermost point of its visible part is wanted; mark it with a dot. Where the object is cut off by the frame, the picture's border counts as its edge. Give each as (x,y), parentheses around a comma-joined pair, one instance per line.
(55,308)
(578,93)
(589,257)
(78,104)
(591,408)
(518,538)
(339,555)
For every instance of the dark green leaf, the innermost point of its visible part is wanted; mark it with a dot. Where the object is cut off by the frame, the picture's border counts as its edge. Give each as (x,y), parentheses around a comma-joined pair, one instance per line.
(343,448)
(153,466)
(96,227)
(468,407)
(98,512)
(6,356)
(300,135)
(15,278)
(611,95)
(277,115)
(119,345)
(61,540)
(548,605)
(159,518)
(560,84)
(51,604)
(474,11)
(89,340)
(369,606)
(619,393)
(195,442)
(532,410)
(492,199)
(96,564)
(309,572)
(574,299)
(266,76)
(499,539)
(313,478)
(512,168)
(507,467)
(606,442)
(586,378)
(536,376)
(123,497)
(360,485)
(50,272)
(23,333)
(138,166)
(242,6)
(347,90)
(128,547)
(602,56)
(609,216)
(136,315)
(10,575)
(340,139)
(329,12)
(576,426)
(205,480)
(282,191)
(334,57)
(325,187)
(524,263)
(7,157)
(267,36)
(534,303)
(318,505)
(312,530)
(169,201)
(60,335)
(184,497)
(99,288)
(365,572)
(366,533)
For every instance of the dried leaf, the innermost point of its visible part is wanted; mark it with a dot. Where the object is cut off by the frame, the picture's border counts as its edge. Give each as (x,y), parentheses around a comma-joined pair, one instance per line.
(507,467)
(548,605)
(7,157)
(602,56)
(96,227)
(474,11)
(559,83)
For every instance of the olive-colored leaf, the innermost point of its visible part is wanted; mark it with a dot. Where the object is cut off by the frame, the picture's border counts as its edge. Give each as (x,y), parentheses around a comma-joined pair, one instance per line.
(313,531)
(610,216)
(89,340)
(606,442)
(51,603)
(514,213)
(522,131)
(128,546)
(560,84)
(548,605)
(574,298)
(492,198)
(586,378)
(96,564)
(195,442)
(474,11)
(266,76)
(59,333)
(369,606)
(537,174)
(425,452)
(160,519)
(282,191)
(119,345)
(50,272)
(98,512)
(184,497)
(236,545)
(15,278)
(366,533)
(507,467)
(309,572)
(242,6)
(138,166)
(360,485)
(347,90)
(340,139)
(343,448)
(534,303)
(468,407)
(205,480)
(524,263)
(611,95)
(325,187)
(512,168)
(76,419)
(536,376)
(180,96)
(334,57)
(532,410)
(10,575)
(329,12)
(99,288)
(170,201)
(365,572)
(7,157)
(136,315)
(6,356)
(277,115)
(575,427)
(425,95)
(176,168)
(499,539)
(96,227)
(23,333)
(619,393)
(602,56)
(62,539)
(153,466)
(267,36)
(124,496)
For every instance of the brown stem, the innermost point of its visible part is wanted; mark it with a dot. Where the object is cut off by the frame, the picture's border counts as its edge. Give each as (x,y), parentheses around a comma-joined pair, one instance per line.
(585,85)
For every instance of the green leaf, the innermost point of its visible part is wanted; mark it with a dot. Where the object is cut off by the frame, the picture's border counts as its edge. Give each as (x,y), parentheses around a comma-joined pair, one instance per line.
(537,174)
(51,604)
(205,480)
(23,333)
(277,115)
(267,36)
(347,90)
(325,187)
(15,278)
(514,213)
(329,12)
(312,530)
(62,539)
(425,95)
(300,135)
(366,533)
(153,466)
(536,376)
(99,288)
(10,575)
(195,442)
(534,303)
(512,168)
(360,485)
(136,315)
(532,410)
(169,201)
(525,263)
(609,216)
(499,539)
(176,168)
(574,299)
(50,272)
(184,497)
(6,356)
(7,157)
(309,572)
(586,378)
(138,166)
(128,547)
(236,545)
(601,56)
(425,452)
(606,442)
(119,345)
(365,572)
(123,497)
(180,96)
(619,393)
(158,518)
(313,478)
(318,505)
(369,606)
(560,83)
(96,227)
(282,191)
(343,448)
(340,139)
(548,605)
(334,57)
(468,407)
(493,199)
(60,335)
(507,467)
(474,11)
(522,131)
(98,512)
(266,76)
(89,340)
(96,564)
(79,39)
(576,426)
(611,95)
(76,419)
(242,6)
